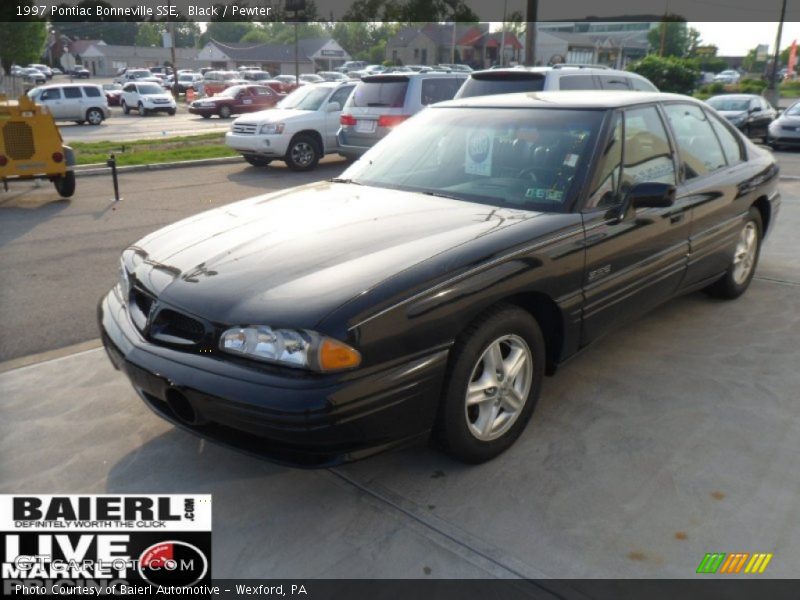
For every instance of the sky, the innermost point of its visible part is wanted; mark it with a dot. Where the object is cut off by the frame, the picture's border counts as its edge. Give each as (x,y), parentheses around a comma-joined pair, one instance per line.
(736,39)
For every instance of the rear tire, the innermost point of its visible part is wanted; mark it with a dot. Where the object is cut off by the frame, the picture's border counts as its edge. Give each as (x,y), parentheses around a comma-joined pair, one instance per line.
(494,381)
(65,184)
(125,108)
(257,161)
(740,273)
(94,116)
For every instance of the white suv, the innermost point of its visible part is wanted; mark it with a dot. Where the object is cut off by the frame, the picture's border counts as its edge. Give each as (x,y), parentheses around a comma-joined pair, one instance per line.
(300,130)
(73,102)
(146,98)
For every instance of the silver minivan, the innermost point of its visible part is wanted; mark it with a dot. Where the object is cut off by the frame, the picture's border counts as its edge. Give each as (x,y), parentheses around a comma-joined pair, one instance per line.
(73,102)
(380,102)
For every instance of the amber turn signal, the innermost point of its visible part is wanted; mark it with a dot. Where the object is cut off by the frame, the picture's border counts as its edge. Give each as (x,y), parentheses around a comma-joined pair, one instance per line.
(334,356)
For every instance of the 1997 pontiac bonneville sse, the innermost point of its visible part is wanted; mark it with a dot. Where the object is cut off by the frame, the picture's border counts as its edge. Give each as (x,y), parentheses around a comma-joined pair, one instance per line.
(429,289)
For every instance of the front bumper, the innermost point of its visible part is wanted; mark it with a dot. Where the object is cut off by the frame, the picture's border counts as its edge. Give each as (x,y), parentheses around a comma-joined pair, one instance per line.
(203,110)
(263,145)
(305,420)
(161,107)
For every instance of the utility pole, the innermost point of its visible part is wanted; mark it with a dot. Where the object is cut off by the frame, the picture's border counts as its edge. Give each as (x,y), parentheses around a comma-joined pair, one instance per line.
(172,51)
(503,35)
(772,91)
(530,32)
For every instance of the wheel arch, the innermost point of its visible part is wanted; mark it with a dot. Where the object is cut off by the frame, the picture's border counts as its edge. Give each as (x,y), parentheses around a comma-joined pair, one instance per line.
(547,314)
(313,133)
(765,210)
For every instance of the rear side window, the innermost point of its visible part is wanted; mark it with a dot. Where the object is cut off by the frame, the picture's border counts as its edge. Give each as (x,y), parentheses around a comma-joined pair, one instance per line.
(577,82)
(614,82)
(697,144)
(92,92)
(72,92)
(439,89)
(384,92)
(641,85)
(730,146)
(504,83)
(51,94)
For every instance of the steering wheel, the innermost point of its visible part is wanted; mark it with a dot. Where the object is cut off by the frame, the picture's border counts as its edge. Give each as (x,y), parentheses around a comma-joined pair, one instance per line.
(527,173)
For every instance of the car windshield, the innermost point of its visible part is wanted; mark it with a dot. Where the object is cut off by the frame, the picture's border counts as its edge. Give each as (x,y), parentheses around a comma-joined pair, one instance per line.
(503,83)
(140,74)
(729,104)
(150,89)
(793,110)
(185,77)
(381,91)
(529,159)
(305,98)
(232,91)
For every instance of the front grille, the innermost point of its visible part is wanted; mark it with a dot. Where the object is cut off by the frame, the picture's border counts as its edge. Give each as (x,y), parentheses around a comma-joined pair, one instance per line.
(176,328)
(18,140)
(245,128)
(161,101)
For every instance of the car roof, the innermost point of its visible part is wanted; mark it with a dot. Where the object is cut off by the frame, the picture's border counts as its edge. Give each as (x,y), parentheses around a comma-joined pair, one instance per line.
(62,85)
(603,99)
(377,77)
(735,96)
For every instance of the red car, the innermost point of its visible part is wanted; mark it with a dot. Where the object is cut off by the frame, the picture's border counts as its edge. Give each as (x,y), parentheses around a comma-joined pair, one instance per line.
(236,100)
(113,92)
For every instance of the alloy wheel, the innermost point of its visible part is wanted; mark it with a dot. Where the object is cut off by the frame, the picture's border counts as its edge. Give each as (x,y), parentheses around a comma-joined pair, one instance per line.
(302,154)
(745,256)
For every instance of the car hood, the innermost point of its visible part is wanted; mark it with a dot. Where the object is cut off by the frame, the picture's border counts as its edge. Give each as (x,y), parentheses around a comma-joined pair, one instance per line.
(291,258)
(275,115)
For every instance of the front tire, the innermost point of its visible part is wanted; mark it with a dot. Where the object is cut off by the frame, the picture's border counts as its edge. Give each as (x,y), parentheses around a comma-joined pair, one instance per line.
(65,184)
(303,153)
(125,108)
(494,381)
(740,273)
(142,110)
(257,161)
(225,112)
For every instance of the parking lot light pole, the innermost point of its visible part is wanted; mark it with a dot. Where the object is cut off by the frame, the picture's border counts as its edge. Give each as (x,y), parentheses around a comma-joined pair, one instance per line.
(530,33)
(772,94)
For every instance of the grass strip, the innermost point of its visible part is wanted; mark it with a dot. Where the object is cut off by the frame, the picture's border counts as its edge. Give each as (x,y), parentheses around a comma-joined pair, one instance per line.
(158,150)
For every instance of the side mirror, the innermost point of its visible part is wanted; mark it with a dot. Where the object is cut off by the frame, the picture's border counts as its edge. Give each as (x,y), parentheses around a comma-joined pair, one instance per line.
(753,109)
(334,107)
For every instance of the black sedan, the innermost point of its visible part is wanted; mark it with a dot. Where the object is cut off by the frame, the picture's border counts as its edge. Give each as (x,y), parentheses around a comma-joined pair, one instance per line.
(750,113)
(428,290)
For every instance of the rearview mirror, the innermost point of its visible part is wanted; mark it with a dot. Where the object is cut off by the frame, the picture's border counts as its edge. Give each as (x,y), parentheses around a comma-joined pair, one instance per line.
(334,107)
(651,195)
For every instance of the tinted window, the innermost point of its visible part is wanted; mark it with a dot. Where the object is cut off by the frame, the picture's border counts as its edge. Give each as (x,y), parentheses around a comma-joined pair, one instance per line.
(577,82)
(341,95)
(150,88)
(72,92)
(647,155)
(614,82)
(439,89)
(730,144)
(129,88)
(605,190)
(506,83)
(92,92)
(521,159)
(51,94)
(389,92)
(698,146)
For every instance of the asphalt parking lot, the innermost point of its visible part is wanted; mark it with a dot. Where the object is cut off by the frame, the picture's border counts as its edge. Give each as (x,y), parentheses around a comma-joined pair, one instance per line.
(673,437)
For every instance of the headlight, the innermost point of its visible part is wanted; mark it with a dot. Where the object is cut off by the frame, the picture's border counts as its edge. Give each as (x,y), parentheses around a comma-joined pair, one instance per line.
(294,348)
(124,280)
(271,128)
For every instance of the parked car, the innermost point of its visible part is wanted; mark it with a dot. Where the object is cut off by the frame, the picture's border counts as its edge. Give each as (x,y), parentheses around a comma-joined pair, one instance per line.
(136,75)
(79,102)
(727,76)
(113,92)
(352,65)
(333,76)
(785,130)
(289,82)
(56,71)
(48,72)
(188,81)
(456,67)
(310,78)
(381,102)
(147,97)
(81,73)
(434,284)
(161,72)
(275,84)
(236,100)
(750,113)
(300,130)
(255,75)
(216,81)
(32,76)
(559,77)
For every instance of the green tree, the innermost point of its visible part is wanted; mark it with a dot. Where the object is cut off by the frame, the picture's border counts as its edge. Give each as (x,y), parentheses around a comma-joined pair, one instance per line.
(668,74)
(21,42)
(674,34)
(226,31)
(417,11)
(149,34)
(257,35)
(112,30)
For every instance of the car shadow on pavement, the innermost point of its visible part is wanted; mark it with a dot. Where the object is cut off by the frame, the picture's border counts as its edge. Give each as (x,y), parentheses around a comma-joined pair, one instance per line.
(24,209)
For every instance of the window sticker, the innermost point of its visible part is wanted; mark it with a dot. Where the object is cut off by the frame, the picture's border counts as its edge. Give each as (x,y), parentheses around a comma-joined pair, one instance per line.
(479,153)
(570,160)
(544,194)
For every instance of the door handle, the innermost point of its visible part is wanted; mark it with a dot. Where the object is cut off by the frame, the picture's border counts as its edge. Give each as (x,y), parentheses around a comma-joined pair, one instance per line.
(677,218)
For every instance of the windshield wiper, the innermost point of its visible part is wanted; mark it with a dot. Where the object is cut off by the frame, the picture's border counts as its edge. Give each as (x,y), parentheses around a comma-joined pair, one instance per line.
(441,195)
(343,180)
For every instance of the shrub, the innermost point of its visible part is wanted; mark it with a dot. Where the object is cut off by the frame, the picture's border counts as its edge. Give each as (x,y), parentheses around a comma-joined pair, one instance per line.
(668,74)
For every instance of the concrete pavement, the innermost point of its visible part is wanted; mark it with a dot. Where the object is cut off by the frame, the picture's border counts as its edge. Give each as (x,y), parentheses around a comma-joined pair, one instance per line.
(673,437)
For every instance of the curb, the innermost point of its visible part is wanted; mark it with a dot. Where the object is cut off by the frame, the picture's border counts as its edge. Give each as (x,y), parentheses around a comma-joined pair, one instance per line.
(101,169)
